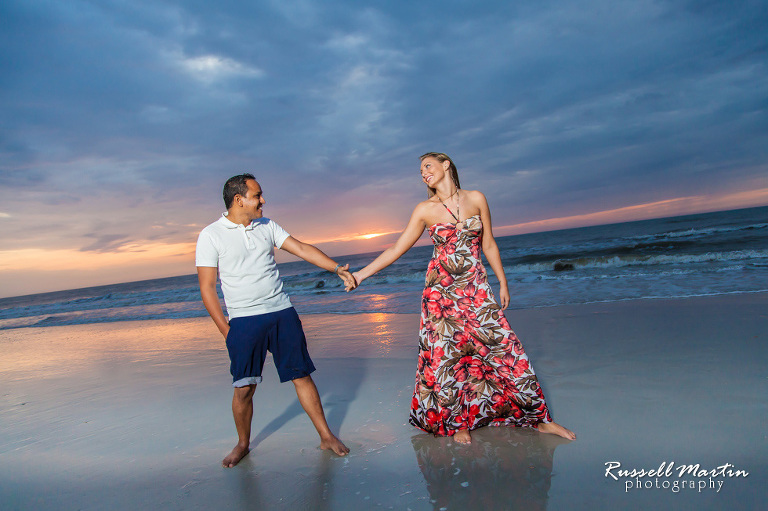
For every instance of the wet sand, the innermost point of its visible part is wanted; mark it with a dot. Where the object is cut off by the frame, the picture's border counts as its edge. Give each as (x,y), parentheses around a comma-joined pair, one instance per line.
(137,415)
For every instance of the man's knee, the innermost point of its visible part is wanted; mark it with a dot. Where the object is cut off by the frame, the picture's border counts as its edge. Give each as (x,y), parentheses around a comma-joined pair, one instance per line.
(304,380)
(245,393)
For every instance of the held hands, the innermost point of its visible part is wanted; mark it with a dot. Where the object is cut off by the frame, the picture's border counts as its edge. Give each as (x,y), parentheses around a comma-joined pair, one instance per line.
(347,278)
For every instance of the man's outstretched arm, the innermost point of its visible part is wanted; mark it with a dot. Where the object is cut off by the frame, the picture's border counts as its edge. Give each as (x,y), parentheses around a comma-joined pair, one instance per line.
(314,255)
(207,277)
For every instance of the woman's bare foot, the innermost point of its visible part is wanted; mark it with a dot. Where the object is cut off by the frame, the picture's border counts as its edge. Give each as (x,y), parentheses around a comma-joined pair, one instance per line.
(234,457)
(556,429)
(463,437)
(335,445)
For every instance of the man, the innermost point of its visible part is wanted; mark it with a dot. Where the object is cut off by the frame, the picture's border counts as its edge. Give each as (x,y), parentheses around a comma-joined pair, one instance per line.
(239,246)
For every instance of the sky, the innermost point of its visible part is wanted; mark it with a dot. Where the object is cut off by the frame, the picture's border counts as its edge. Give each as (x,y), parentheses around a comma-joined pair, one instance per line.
(120,121)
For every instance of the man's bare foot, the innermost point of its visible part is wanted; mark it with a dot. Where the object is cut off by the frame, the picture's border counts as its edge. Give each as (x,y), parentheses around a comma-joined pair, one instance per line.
(234,457)
(556,429)
(463,437)
(335,445)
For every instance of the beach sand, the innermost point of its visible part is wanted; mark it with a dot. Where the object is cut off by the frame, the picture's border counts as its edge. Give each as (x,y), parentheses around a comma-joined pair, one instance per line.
(136,415)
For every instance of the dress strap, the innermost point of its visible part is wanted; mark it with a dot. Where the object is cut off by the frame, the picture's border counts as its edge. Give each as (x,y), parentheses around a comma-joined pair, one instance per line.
(451,212)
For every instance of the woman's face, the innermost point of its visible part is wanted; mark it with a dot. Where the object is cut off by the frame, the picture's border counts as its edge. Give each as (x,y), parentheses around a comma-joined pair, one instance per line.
(432,170)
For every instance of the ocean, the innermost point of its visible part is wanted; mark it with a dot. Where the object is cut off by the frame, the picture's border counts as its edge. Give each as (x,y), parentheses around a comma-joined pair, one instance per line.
(693,255)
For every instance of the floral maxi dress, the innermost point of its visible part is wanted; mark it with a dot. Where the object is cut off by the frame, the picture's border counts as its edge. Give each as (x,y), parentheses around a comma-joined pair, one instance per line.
(472,369)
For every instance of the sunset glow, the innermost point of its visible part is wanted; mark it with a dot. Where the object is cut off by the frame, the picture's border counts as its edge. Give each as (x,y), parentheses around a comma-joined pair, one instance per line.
(347,237)
(69,259)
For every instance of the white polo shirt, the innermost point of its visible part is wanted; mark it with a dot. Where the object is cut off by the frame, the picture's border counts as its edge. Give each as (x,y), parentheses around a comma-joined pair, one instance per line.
(245,257)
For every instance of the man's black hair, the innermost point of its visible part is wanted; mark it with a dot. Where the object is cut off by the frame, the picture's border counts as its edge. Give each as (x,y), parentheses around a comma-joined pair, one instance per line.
(236,185)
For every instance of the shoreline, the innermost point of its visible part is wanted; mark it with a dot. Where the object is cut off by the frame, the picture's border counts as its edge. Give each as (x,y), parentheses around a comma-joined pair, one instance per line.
(136,414)
(356,313)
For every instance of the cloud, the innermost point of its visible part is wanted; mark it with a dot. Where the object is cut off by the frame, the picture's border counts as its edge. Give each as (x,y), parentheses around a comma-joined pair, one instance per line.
(106,243)
(208,68)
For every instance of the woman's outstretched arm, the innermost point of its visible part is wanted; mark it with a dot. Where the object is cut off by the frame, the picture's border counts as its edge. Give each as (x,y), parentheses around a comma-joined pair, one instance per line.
(407,238)
(491,250)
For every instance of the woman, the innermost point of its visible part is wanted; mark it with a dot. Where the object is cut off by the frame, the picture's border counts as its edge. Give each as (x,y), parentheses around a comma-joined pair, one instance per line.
(472,369)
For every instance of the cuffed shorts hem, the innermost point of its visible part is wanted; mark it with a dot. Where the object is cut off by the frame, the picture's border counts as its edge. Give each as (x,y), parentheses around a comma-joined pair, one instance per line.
(248,380)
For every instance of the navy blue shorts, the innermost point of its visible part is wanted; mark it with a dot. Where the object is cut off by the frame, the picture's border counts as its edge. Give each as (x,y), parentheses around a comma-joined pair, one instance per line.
(281,333)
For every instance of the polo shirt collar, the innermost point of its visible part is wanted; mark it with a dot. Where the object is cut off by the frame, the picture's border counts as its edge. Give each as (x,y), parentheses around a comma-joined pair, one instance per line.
(226,222)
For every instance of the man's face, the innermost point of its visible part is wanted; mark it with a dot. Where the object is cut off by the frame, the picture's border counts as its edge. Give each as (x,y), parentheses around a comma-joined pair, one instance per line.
(253,200)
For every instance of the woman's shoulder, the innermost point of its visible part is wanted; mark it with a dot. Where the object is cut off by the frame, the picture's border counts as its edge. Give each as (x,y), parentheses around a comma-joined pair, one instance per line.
(428,203)
(425,209)
(475,196)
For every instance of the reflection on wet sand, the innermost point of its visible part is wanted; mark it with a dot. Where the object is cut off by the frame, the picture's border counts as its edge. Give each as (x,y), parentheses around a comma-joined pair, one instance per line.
(384,333)
(364,335)
(311,486)
(66,350)
(502,465)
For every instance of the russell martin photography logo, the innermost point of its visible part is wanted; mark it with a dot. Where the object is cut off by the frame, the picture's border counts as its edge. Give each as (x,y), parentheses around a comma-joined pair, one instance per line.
(675,478)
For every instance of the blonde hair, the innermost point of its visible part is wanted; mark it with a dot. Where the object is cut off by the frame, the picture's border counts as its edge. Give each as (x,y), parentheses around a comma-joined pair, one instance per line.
(452,171)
